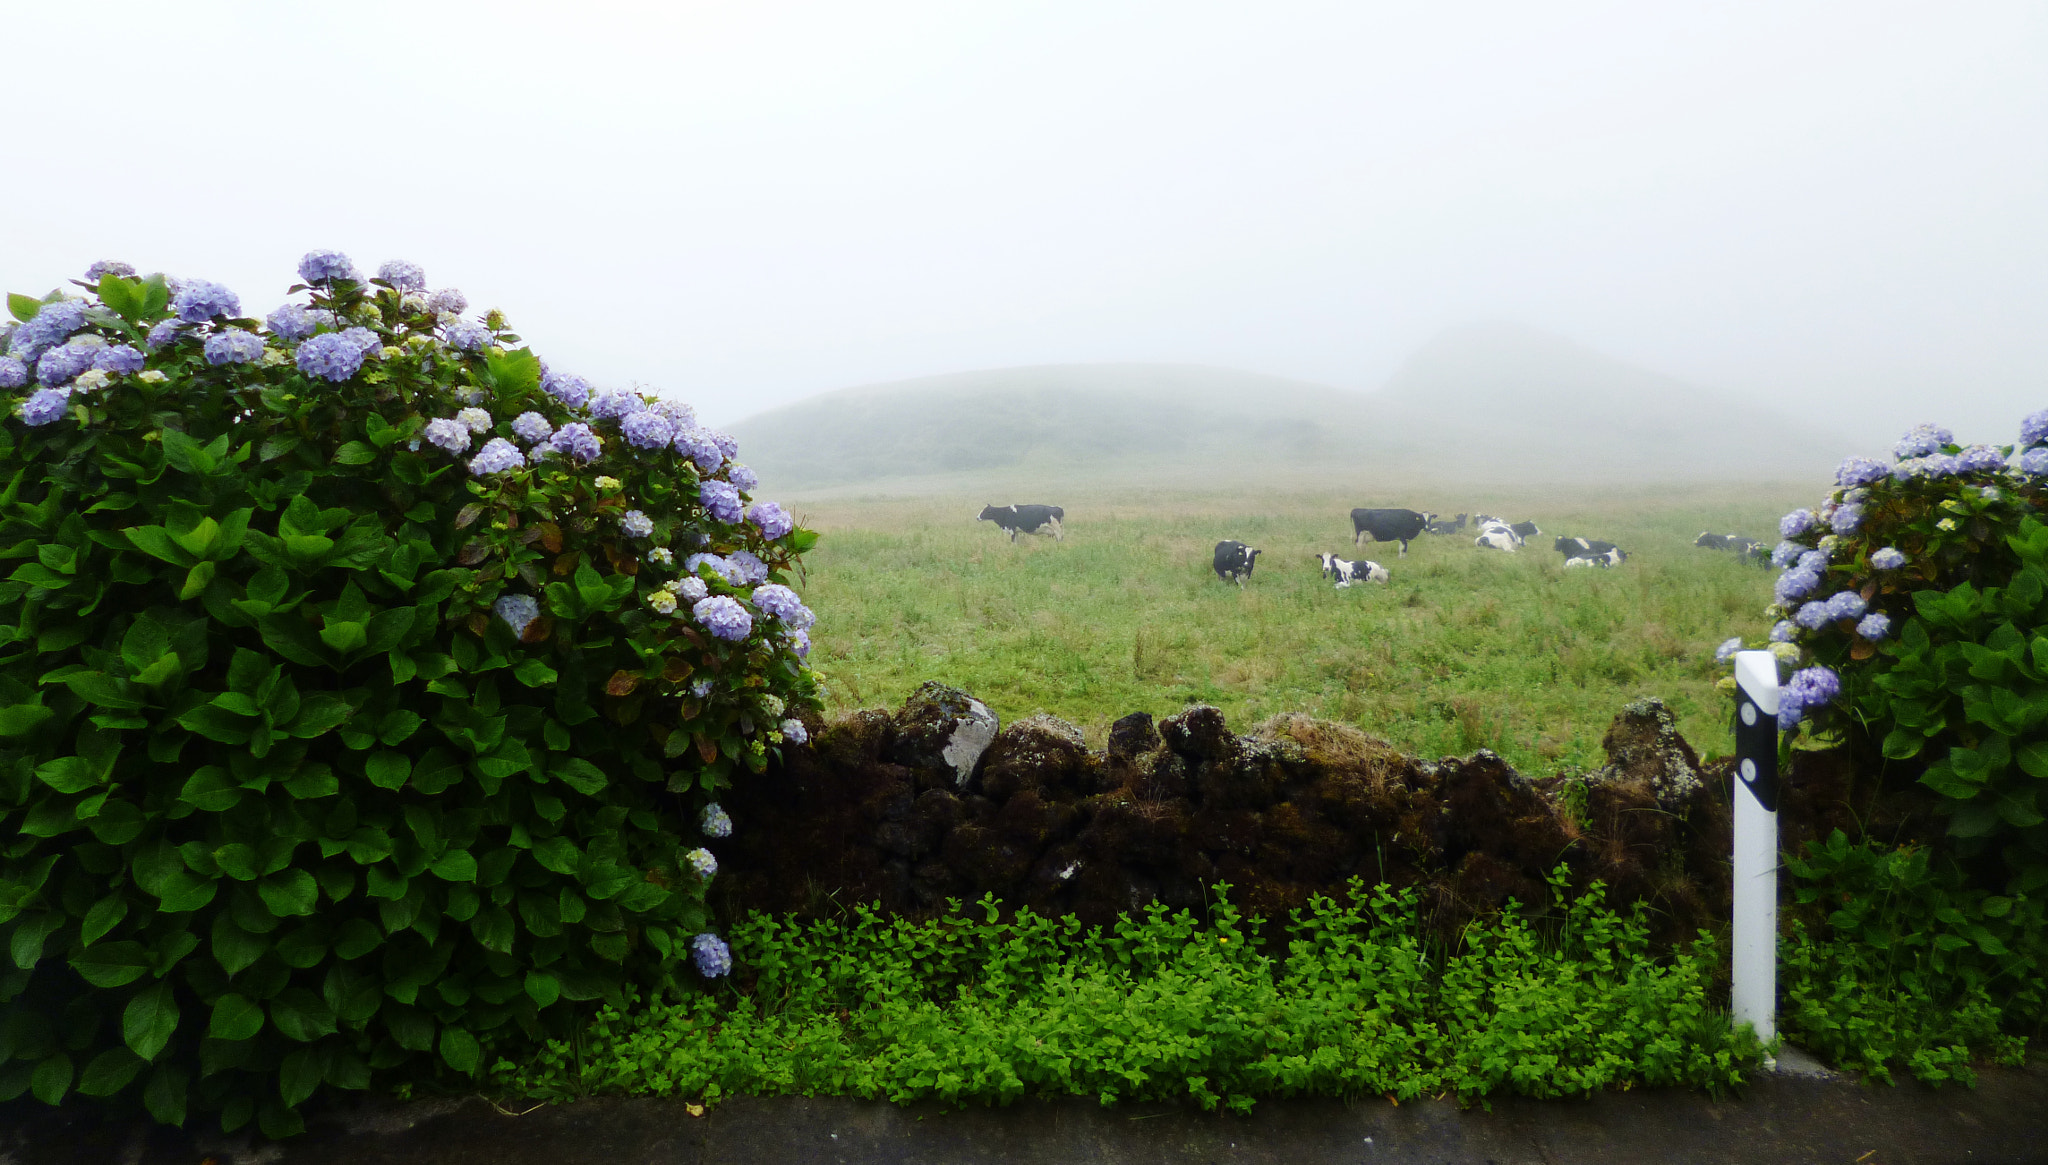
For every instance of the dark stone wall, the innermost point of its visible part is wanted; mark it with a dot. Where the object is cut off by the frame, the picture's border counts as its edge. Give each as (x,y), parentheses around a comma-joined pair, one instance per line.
(876,809)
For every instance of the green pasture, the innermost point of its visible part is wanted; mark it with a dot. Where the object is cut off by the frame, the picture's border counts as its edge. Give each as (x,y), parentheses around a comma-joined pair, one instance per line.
(1464,649)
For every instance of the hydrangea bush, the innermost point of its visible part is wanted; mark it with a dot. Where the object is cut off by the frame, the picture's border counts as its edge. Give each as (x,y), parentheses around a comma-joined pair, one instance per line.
(1912,612)
(355,711)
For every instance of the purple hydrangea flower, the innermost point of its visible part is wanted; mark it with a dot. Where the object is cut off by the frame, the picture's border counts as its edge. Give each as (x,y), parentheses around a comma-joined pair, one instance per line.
(794,732)
(1922,441)
(13,373)
(2034,429)
(773,520)
(779,601)
(724,617)
(326,266)
(447,299)
(51,325)
(690,564)
(497,456)
(62,364)
(1816,686)
(403,276)
(714,821)
(105,267)
(573,391)
(447,433)
(1786,553)
(2034,462)
(1858,471)
(43,406)
(1796,583)
(712,956)
(1846,518)
(468,336)
(576,440)
(636,524)
(726,444)
(531,427)
(1980,459)
(1847,605)
(698,446)
(1727,650)
(295,321)
(618,403)
(165,332)
(721,499)
(1889,558)
(742,477)
(692,588)
(1813,616)
(199,300)
(800,642)
(365,340)
(1815,561)
(702,863)
(1790,710)
(749,566)
(1943,465)
(119,359)
(646,429)
(234,346)
(331,356)
(1783,631)
(1794,524)
(517,611)
(680,415)
(1875,626)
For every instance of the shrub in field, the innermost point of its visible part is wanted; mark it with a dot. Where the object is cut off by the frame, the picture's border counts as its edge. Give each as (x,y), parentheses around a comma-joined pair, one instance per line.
(1916,597)
(364,684)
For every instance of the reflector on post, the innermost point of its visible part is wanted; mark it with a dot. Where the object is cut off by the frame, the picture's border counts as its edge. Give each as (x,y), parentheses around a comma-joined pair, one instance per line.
(1755,954)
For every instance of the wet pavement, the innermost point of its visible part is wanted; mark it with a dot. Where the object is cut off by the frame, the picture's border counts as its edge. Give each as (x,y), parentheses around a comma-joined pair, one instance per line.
(1791,1118)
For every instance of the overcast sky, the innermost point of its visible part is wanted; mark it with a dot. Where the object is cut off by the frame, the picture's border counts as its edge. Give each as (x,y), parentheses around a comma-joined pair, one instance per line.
(1841,207)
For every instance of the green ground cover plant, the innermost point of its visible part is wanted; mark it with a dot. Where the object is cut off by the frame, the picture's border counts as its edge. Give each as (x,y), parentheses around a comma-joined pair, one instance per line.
(1465,648)
(972,1007)
(363,685)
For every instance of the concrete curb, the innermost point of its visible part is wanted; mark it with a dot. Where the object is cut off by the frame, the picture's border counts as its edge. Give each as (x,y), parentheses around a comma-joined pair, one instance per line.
(1782,1119)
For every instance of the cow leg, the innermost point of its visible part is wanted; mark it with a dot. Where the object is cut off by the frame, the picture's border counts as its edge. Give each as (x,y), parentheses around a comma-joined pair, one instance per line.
(1059,533)
(1404,548)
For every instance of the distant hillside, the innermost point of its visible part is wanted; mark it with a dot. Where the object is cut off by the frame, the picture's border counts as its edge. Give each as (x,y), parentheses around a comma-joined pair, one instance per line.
(1483,401)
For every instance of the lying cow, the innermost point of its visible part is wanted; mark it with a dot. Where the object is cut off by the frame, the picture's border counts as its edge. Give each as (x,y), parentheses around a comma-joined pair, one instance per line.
(1612,556)
(1446,525)
(1346,573)
(1588,548)
(1401,526)
(1525,530)
(1026,520)
(1234,561)
(1735,542)
(1498,536)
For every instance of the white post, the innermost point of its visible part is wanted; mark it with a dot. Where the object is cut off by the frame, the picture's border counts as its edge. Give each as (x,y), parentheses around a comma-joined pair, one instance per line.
(1755,954)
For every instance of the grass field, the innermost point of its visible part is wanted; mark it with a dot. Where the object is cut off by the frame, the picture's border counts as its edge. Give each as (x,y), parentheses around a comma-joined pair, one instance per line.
(1464,649)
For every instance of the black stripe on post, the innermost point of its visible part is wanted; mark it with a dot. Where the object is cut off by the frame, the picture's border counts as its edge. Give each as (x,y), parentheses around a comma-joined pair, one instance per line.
(1756,750)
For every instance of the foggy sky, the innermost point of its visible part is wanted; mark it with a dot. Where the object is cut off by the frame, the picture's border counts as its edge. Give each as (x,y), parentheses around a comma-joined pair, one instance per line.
(1835,207)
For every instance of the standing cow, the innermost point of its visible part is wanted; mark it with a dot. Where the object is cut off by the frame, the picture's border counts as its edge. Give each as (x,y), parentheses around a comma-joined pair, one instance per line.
(1026,520)
(1402,526)
(1234,561)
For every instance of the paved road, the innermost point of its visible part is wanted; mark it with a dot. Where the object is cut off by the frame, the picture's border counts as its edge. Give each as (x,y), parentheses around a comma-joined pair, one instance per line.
(1782,1120)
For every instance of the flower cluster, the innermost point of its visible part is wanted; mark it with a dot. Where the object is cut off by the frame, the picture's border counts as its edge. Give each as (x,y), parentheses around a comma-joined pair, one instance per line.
(712,956)
(1850,565)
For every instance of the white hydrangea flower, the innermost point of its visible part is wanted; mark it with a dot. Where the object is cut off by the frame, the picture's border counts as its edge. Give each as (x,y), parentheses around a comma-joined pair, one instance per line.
(662,556)
(475,420)
(606,482)
(663,602)
(91,379)
(152,376)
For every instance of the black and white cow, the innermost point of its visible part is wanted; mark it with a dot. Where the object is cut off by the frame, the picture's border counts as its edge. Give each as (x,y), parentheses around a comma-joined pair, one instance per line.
(1026,520)
(1498,536)
(1345,573)
(1735,542)
(1234,561)
(1401,526)
(1525,530)
(1612,556)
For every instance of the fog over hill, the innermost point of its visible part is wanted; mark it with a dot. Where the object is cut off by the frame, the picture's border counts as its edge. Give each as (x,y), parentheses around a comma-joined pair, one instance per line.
(1487,401)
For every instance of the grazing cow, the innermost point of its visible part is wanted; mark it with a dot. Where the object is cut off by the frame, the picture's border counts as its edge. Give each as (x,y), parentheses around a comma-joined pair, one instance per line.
(1757,555)
(1026,520)
(1234,561)
(1446,525)
(1612,556)
(1346,573)
(1388,526)
(1525,530)
(1735,542)
(1497,537)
